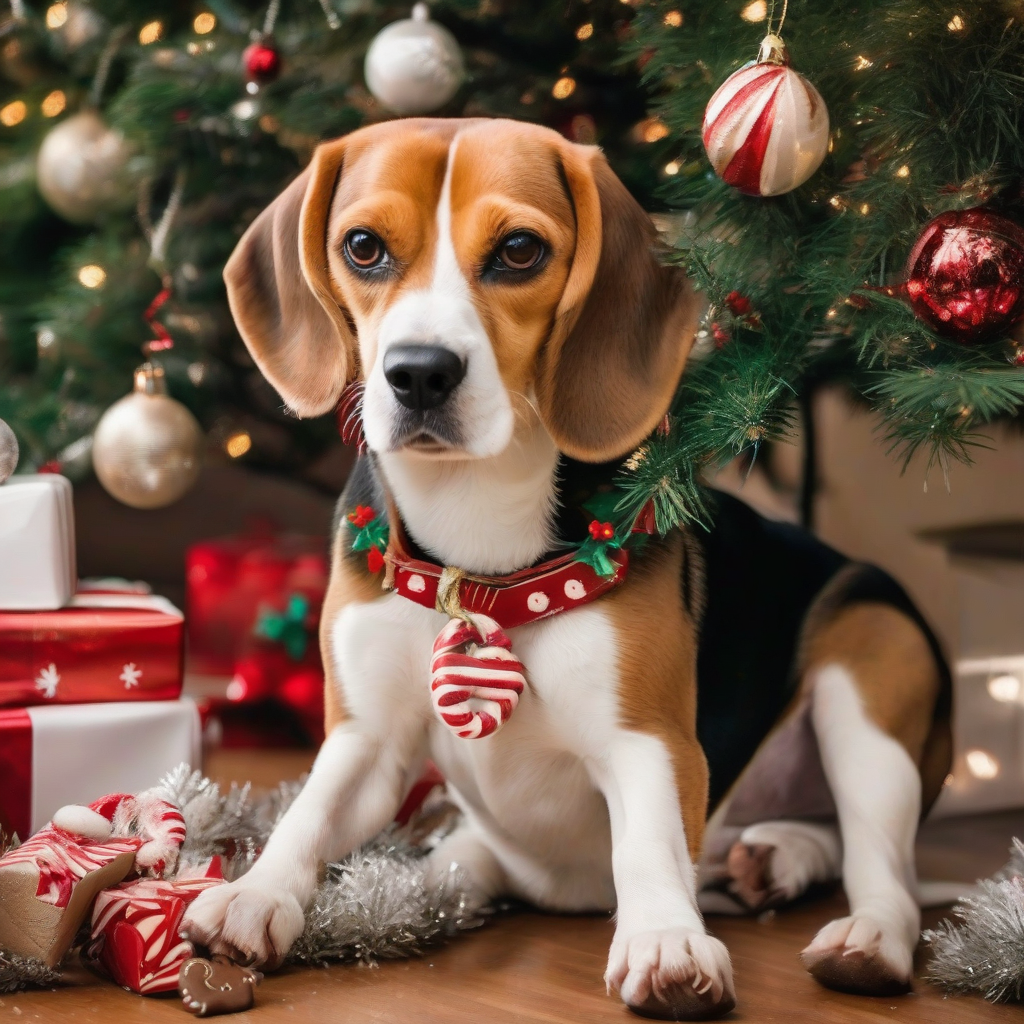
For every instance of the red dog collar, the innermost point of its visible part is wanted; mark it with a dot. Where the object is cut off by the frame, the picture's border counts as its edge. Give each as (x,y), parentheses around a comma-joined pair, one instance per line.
(553,586)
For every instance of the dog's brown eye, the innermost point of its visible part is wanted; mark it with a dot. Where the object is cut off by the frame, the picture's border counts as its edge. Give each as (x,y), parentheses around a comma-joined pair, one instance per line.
(520,251)
(364,248)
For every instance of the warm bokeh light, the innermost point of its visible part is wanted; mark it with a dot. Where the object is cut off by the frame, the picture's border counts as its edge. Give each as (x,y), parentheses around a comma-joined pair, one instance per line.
(903,172)
(53,104)
(56,15)
(564,88)
(585,31)
(865,209)
(92,276)
(14,113)
(238,444)
(673,19)
(757,10)
(1006,689)
(672,167)
(862,62)
(955,24)
(205,22)
(981,764)
(651,129)
(150,32)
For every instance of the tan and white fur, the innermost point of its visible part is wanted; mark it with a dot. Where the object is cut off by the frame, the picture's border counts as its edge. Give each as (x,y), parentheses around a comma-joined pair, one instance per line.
(594,795)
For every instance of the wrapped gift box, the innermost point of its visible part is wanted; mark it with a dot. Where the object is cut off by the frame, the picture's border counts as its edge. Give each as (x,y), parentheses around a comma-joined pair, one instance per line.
(253,652)
(230,580)
(66,754)
(37,542)
(135,932)
(100,647)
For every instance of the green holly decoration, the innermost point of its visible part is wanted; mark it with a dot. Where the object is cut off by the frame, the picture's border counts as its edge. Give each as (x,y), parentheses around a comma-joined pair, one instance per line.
(288,627)
(370,535)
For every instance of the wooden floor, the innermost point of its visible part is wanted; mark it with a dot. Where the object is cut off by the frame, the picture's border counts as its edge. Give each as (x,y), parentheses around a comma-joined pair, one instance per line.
(531,968)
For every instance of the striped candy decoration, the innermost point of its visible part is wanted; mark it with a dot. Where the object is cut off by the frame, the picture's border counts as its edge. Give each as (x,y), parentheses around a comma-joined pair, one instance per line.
(766,129)
(476,680)
(63,859)
(138,924)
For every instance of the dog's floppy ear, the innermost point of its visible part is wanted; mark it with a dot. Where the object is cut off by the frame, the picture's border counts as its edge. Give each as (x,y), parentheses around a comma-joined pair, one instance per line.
(623,327)
(280,294)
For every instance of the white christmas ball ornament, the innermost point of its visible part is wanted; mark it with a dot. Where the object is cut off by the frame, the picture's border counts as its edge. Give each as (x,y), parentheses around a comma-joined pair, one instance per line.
(8,451)
(414,66)
(86,169)
(766,128)
(147,448)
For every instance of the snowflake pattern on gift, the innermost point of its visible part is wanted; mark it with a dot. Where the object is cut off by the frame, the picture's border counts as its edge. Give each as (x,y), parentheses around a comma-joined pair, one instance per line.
(47,680)
(130,675)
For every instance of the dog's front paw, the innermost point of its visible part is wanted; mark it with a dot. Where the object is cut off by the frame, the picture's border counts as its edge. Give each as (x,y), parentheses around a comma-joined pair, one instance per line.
(858,954)
(675,974)
(251,923)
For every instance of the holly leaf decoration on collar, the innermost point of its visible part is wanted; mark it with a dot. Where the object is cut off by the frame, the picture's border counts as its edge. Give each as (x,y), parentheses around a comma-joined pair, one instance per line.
(370,534)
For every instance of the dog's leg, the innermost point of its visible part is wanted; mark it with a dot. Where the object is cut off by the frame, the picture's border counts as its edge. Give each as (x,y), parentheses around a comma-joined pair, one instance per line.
(662,962)
(774,862)
(873,683)
(877,791)
(353,791)
(467,852)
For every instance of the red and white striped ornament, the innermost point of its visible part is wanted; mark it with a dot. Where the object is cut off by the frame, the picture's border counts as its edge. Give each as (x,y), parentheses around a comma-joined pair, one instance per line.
(476,680)
(766,128)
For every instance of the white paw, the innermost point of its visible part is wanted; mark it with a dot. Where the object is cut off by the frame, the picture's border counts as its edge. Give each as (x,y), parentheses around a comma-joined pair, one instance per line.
(249,922)
(675,974)
(859,954)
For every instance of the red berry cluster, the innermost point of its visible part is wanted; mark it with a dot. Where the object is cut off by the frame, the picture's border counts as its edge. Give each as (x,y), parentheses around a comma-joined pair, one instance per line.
(601,531)
(363,516)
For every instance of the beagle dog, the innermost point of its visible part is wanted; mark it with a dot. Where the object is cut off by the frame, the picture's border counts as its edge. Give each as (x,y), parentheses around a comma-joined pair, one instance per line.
(743,710)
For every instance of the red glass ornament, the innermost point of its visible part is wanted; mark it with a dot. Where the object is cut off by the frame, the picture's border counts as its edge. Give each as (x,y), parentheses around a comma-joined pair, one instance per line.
(262,61)
(965,275)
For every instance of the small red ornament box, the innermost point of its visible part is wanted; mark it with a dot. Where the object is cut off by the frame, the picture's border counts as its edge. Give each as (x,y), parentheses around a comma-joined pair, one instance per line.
(100,647)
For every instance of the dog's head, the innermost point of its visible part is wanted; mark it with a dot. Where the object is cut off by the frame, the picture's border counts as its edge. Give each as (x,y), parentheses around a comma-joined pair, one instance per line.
(474,273)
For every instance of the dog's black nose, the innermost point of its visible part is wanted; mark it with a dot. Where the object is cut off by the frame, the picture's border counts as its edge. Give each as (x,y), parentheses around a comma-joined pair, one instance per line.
(422,376)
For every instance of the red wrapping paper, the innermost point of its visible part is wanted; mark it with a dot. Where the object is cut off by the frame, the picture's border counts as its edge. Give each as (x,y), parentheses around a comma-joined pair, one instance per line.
(135,932)
(260,691)
(231,579)
(101,647)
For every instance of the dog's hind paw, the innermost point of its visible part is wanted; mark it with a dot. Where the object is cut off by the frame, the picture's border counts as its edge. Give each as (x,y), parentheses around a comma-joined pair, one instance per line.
(252,924)
(675,974)
(858,954)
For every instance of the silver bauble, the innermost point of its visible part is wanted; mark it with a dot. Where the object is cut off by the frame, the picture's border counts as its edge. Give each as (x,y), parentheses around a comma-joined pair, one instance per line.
(8,451)
(414,66)
(86,169)
(147,448)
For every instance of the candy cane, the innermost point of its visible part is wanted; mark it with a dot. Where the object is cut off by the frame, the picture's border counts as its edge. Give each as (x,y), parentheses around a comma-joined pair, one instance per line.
(476,680)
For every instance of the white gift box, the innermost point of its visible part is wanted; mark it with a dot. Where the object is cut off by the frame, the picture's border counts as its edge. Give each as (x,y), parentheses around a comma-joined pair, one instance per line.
(75,753)
(37,543)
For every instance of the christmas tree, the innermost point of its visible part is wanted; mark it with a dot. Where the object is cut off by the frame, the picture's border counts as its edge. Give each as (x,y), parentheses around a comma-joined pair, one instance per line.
(925,104)
(199,114)
(185,119)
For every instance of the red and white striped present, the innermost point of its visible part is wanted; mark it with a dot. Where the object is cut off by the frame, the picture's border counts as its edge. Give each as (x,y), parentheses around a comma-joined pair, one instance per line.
(135,932)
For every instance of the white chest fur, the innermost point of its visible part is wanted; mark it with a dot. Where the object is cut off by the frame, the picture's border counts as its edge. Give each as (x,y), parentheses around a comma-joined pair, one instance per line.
(530,788)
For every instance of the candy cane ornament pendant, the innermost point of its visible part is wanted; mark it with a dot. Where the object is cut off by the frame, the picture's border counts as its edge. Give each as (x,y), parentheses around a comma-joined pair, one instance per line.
(476,680)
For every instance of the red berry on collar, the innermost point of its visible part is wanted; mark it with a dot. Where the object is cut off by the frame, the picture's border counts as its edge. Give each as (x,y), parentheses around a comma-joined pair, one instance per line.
(363,516)
(374,560)
(601,531)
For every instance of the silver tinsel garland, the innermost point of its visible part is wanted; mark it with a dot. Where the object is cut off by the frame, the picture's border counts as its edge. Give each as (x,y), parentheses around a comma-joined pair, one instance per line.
(377,904)
(983,950)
